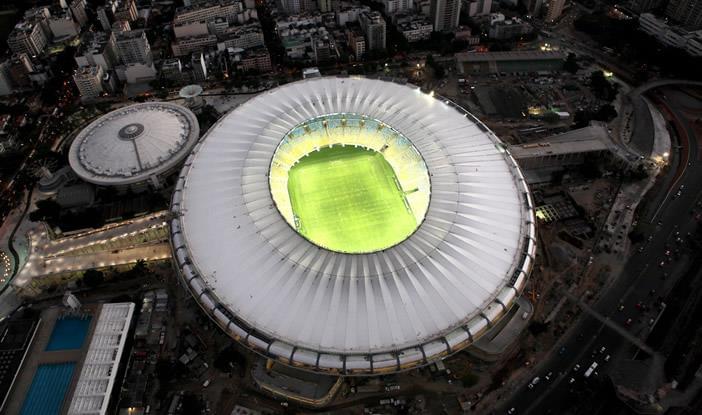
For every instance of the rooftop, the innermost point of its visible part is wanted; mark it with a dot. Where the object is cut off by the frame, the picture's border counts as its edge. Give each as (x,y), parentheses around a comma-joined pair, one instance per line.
(132,143)
(508,56)
(583,140)
(285,297)
(99,373)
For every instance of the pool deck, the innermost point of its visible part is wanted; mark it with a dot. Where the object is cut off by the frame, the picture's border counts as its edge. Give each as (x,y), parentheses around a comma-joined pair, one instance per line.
(38,355)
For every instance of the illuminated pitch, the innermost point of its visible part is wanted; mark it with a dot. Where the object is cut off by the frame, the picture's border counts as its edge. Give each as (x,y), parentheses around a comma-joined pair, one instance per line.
(346,199)
(349,183)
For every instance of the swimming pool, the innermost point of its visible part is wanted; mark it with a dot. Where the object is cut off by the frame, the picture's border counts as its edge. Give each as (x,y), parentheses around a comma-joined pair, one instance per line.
(69,333)
(48,389)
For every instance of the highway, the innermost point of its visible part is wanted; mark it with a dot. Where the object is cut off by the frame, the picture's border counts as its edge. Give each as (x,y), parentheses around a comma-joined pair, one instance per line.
(654,265)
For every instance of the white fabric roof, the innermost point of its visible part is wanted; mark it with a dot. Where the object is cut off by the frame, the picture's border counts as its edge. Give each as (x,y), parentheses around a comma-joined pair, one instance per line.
(284,296)
(100,155)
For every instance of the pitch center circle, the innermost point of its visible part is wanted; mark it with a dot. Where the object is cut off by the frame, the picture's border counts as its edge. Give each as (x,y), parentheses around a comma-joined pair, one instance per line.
(349,183)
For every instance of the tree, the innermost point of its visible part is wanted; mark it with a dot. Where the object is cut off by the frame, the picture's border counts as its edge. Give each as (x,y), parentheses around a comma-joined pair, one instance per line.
(191,404)
(571,63)
(551,117)
(606,113)
(469,380)
(93,278)
(601,87)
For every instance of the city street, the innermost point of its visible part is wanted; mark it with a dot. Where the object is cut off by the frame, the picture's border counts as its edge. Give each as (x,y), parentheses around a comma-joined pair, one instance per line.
(630,300)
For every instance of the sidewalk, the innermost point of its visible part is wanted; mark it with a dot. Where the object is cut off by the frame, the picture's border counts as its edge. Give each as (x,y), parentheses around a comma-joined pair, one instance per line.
(621,215)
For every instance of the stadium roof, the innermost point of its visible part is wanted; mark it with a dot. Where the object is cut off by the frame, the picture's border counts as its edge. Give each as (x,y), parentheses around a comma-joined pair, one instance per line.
(285,297)
(133,143)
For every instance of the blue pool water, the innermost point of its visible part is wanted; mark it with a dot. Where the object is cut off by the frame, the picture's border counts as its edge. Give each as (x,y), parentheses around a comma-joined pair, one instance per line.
(48,389)
(68,333)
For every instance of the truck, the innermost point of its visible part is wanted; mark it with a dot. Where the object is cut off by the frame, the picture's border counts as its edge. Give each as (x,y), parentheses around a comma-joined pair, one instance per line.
(590,369)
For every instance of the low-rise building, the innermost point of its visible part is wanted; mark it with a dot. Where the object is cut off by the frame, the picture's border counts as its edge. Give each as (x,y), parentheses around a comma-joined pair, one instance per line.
(172,70)
(190,29)
(509,29)
(186,46)
(417,29)
(18,69)
(6,87)
(244,37)
(672,36)
(694,44)
(208,10)
(509,62)
(63,26)
(254,59)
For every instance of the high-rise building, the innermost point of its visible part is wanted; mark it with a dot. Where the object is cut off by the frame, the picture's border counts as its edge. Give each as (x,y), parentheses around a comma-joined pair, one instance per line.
(6,87)
(643,6)
(373,26)
(77,8)
(478,7)
(686,12)
(555,8)
(132,47)
(291,6)
(356,41)
(396,6)
(445,14)
(105,17)
(208,11)
(533,6)
(126,10)
(325,6)
(18,69)
(197,62)
(97,48)
(88,79)
(28,37)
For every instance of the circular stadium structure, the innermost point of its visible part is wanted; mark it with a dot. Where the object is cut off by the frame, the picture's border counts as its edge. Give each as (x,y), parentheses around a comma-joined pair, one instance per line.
(134,145)
(352,226)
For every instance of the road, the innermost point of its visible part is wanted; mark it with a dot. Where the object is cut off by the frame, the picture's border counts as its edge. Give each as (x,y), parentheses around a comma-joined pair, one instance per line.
(649,268)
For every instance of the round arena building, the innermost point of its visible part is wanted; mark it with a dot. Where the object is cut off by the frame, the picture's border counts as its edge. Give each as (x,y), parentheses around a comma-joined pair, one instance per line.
(352,226)
(134,146)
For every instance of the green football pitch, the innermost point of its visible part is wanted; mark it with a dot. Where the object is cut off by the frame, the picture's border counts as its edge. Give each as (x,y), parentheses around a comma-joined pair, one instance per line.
(345,199)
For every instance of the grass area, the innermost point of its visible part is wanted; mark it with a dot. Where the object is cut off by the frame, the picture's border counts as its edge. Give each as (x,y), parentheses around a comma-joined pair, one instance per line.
(346,199)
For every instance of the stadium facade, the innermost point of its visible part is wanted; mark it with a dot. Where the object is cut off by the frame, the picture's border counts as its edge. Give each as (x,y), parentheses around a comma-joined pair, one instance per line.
(135,146)
(244,258)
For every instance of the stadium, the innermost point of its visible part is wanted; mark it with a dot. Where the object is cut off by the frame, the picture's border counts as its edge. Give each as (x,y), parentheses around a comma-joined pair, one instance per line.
(352,226)
(136,146)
